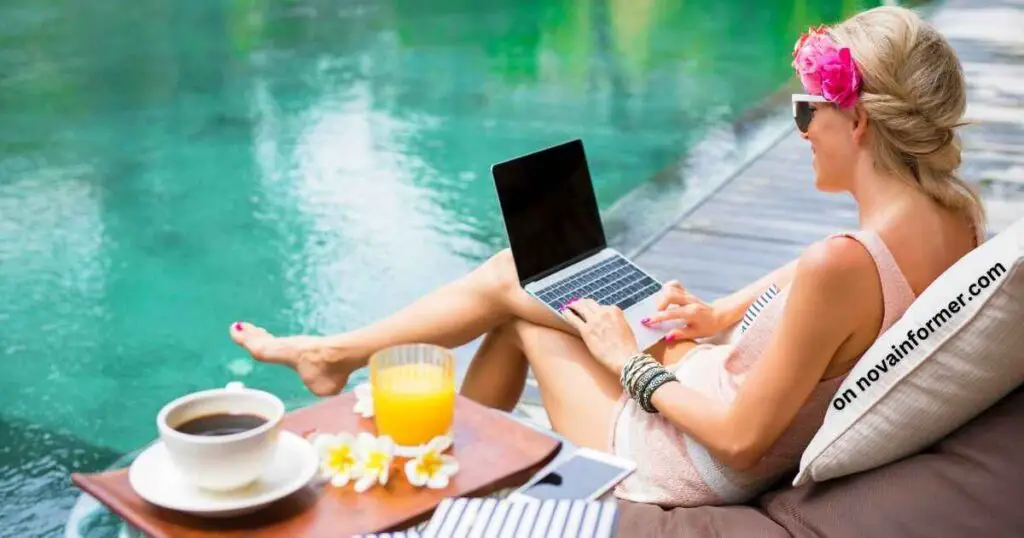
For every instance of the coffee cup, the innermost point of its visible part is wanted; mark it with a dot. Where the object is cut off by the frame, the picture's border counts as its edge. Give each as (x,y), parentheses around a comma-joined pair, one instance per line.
(221,439)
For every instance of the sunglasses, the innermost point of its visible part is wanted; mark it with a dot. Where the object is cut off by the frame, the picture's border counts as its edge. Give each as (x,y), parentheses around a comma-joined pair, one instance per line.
(803,112)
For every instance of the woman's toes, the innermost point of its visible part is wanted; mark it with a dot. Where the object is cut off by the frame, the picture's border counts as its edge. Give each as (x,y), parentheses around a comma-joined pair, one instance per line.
(242,332)
(238,331)
(255,340)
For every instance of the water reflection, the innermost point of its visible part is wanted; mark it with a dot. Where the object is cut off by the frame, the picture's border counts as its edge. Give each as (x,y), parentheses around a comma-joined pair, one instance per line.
(166,168)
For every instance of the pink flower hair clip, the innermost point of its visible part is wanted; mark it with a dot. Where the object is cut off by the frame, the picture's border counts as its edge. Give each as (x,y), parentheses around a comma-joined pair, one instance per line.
(825,69)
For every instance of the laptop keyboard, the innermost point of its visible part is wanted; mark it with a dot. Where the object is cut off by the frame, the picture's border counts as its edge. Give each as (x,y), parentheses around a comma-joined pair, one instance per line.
(614,281)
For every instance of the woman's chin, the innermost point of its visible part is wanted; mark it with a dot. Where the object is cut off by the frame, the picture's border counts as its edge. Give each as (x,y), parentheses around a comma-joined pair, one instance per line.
(823,185)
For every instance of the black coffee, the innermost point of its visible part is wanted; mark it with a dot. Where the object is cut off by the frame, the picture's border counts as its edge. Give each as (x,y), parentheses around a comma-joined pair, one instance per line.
(221,424)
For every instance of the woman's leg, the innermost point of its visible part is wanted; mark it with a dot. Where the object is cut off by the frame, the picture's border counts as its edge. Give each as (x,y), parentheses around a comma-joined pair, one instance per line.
(450,316)
(578,393)
(497,374)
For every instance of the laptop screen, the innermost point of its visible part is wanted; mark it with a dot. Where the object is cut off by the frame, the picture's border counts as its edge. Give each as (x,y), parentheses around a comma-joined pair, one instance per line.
(549,207)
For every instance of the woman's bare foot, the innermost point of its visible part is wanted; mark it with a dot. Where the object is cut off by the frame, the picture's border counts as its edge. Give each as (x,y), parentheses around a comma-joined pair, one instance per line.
(324,369)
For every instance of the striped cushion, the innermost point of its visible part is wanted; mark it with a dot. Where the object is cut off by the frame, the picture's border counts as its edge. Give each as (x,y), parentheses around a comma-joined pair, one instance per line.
(757,306)
(554,518)
(466,517)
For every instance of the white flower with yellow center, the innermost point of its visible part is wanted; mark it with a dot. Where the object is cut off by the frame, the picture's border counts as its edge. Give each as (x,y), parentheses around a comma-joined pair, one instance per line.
(364,400)
(375,455)
(338,458)
(432,467)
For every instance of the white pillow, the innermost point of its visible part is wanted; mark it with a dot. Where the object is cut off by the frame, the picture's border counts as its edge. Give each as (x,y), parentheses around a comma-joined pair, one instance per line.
(907,392)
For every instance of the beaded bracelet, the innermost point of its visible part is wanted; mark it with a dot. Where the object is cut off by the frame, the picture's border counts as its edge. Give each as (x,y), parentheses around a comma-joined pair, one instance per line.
(643,380)
(635,366)
(654,384)
(628,368)
(641,372)
(638,372)
(641,376)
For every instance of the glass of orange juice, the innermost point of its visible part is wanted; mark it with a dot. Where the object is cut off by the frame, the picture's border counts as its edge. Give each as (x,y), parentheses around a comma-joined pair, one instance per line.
(413,394)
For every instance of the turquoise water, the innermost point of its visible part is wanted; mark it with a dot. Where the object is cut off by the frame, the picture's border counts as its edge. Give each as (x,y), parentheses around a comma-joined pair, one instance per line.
(169,167)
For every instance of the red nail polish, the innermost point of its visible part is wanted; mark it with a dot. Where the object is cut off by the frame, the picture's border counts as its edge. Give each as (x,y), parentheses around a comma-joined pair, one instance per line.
(670,338)
(645,321)
(238,325)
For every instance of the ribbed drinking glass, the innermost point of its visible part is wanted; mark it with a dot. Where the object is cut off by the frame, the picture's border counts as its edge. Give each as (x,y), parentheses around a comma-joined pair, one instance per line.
(413,393)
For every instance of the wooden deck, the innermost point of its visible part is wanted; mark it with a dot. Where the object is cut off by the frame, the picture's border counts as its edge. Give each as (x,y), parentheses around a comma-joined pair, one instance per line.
(768,211)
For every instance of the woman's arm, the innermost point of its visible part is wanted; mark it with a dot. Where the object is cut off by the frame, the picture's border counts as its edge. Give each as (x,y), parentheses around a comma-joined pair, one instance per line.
(704,320)
(811,330)
(730,309)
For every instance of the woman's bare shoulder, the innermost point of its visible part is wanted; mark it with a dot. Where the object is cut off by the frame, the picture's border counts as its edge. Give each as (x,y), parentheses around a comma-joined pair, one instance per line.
(836,257)
(841,270)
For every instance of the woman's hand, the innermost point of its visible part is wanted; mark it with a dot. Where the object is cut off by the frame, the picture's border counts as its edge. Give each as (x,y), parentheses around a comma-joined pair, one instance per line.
(677,304)
(605,331)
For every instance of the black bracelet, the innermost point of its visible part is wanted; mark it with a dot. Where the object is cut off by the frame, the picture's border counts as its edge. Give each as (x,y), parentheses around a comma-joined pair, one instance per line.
(636,390)
(641,377)
(654,384)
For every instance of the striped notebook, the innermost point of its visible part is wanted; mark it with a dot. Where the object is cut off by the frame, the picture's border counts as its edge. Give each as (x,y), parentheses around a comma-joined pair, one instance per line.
(492,518)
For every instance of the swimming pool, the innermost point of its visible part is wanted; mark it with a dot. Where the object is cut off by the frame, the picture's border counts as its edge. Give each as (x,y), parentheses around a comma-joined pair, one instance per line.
(169,167)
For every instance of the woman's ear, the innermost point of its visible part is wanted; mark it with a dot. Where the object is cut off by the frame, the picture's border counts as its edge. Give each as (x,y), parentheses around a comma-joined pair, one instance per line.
(860,124)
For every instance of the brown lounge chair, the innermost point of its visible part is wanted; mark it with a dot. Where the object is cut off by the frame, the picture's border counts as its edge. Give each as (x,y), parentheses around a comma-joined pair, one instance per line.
(970,484)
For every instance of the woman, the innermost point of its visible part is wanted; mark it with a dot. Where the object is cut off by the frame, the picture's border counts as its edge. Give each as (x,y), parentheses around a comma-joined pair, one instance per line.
(712,424)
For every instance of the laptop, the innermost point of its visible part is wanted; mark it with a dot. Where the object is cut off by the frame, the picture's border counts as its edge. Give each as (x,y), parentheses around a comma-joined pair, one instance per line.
(557,240)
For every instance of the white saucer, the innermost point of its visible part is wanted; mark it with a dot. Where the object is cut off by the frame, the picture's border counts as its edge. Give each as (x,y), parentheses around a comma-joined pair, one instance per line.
(155,479)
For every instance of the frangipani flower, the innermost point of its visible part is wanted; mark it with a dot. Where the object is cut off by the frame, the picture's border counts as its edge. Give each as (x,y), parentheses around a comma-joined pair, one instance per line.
(338,458)
(432,468)
(364,400)
(375,455)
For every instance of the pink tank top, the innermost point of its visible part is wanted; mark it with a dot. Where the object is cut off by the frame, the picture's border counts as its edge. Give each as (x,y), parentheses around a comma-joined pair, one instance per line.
(673,469)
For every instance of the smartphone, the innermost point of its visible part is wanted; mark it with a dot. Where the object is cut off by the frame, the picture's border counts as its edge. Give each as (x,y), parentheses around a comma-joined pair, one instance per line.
(587,474)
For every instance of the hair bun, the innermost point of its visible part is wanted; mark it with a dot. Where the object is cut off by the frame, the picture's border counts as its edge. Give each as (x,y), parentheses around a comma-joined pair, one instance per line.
(905,125)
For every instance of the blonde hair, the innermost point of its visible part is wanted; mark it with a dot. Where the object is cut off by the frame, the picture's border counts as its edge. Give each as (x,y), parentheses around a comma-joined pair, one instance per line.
(914,94)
